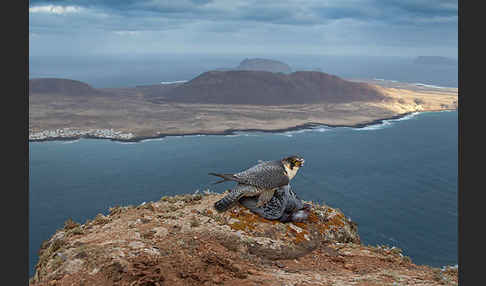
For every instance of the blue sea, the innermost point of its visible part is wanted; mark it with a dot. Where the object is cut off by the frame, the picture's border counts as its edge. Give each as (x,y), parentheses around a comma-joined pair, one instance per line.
(397,179)
(131,70)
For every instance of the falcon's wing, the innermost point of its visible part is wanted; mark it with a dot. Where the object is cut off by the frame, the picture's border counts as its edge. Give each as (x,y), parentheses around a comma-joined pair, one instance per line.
(266,175)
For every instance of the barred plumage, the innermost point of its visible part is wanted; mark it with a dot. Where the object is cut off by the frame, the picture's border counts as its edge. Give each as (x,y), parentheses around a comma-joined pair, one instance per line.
(262,179)
(234,195)
(285,206)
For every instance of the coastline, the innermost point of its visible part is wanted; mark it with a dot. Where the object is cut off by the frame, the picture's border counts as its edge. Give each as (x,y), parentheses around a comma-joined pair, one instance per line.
(305,126)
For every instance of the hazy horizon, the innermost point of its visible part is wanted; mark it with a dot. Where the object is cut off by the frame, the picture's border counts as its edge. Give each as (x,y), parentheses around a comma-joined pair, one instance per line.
(124,43)
(105,71)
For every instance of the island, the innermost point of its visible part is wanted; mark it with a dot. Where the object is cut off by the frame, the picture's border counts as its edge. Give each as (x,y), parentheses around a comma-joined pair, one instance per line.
(222,102)
(434,60)
(259,64)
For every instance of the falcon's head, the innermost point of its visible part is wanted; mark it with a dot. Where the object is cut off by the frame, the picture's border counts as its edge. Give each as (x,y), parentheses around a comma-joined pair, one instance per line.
(293,162)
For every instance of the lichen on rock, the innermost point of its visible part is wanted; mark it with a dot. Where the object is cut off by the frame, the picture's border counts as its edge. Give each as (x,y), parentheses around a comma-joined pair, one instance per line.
(181,240)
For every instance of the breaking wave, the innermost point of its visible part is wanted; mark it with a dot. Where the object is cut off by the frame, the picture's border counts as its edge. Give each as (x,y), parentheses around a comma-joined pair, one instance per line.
(429,85)
(71,141)
(171,82)
(386,123)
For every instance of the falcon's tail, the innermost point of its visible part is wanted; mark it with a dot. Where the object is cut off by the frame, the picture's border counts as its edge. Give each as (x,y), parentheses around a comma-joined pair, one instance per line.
(226,177)
(224,204)
(231,198)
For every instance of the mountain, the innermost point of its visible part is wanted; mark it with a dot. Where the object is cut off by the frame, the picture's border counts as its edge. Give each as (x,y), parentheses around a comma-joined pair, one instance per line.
(60,86)
(434,60)
(258,64)
(264,65)
(267,88)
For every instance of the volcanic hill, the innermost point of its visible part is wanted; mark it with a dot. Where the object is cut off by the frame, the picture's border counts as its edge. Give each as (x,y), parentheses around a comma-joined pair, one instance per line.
(267,88)
(62,86)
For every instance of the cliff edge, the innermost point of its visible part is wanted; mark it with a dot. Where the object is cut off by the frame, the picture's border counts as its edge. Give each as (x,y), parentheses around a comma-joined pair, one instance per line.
(182,240)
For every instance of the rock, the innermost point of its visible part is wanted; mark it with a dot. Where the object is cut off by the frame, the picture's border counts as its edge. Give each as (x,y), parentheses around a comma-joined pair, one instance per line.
(161,231)
(236,247)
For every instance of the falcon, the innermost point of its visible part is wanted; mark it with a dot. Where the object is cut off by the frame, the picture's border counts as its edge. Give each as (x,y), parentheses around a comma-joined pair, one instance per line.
(260,180)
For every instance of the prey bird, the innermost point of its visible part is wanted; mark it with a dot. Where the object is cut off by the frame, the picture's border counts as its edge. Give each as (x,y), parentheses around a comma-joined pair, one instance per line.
(284,206)
(262,180)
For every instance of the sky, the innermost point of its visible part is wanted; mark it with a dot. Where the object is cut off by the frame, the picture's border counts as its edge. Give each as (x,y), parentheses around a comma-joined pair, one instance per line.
(407,28)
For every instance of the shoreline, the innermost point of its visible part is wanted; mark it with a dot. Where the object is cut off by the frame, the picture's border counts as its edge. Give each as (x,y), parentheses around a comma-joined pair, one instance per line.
(305,126)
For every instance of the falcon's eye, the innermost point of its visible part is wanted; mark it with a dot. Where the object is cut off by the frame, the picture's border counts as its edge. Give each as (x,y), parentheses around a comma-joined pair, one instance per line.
(298,162)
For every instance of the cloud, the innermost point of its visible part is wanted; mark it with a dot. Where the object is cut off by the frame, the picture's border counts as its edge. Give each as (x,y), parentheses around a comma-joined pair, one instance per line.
(362,26)
(55,9)
(127,33)
(310,12)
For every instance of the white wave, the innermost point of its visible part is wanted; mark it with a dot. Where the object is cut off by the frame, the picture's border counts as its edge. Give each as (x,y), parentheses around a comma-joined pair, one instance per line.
(171,82)
(387,122)
(310,129)
(241,133)
(447,110)
(322,129)
(71,141)
(384,124)
(290,133)
(429,85)
(120,142)
(152,139)
(406,117)
(183,136)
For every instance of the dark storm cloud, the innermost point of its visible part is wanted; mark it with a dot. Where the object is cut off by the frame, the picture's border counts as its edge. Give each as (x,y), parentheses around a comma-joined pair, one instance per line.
(421,8)
(286,12)
(116,6)
(362,25)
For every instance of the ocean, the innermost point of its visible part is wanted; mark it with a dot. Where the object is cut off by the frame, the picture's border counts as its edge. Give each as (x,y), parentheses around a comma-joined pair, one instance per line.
(131,70)
(397,180)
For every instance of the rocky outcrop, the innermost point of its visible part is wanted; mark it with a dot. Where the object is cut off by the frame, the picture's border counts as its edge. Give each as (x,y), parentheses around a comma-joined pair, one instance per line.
(181,240)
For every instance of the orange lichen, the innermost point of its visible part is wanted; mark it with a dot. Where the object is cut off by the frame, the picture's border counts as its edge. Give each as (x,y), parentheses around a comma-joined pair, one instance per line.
(313,218)
(241,226)
(337,220)
(298,236)
(322,225)
(247,221)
